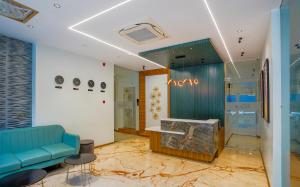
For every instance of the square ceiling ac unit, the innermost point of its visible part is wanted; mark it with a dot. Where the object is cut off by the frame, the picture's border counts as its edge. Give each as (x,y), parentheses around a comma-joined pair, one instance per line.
(143,33)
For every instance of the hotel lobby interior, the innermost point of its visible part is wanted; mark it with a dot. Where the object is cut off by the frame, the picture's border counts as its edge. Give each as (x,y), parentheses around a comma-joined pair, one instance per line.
(137,93)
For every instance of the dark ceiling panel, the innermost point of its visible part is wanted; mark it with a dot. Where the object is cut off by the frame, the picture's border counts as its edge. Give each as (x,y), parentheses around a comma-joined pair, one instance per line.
(186,54)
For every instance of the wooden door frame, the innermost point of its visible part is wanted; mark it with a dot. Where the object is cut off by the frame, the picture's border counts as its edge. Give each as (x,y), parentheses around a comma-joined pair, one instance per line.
(142,96)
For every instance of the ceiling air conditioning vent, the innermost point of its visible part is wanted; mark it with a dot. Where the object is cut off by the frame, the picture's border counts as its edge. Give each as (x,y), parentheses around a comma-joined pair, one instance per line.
(142,33)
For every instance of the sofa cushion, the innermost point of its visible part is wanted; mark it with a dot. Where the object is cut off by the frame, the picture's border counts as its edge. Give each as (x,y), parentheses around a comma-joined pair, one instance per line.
(59,150)
(33,156)
(9,162)
(23,139)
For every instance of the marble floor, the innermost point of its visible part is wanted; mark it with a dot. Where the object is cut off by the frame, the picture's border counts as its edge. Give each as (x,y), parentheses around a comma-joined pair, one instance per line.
(123,136)
(245,143)
(131,163)
(295,170)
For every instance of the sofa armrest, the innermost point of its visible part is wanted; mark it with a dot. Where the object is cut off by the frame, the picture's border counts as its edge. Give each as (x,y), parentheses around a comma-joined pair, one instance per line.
(72,140)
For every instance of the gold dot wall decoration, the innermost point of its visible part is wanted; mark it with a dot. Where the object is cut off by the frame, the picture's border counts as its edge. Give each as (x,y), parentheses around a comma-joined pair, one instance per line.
(155,102)
(158,108)
(155,116)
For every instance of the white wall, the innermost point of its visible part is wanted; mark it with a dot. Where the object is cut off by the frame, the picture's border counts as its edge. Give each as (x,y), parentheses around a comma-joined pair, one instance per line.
(271,132)
(80,112)
(125,78)
(161,82)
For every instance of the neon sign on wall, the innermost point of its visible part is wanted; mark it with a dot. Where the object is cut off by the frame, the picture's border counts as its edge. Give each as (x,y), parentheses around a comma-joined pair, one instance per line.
(180,83)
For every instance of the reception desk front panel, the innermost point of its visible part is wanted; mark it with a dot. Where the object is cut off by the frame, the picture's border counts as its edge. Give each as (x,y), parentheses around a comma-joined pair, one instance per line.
(195,139)
(198,136)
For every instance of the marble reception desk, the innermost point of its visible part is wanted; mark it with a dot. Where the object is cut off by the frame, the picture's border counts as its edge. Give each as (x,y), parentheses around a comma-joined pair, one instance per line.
(195,139)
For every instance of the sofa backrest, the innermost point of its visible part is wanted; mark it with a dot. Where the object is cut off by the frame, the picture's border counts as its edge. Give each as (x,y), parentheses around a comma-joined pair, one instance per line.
(22,139)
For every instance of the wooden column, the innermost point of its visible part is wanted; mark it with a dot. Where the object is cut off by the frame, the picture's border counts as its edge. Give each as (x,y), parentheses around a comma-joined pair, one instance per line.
(142,96)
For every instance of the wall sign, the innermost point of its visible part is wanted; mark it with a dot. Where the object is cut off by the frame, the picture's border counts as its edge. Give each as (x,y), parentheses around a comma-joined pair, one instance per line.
(180,83)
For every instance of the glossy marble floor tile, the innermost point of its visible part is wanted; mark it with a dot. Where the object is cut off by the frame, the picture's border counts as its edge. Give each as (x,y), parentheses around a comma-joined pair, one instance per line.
(131,163)
(123,136)
(246,143)
(295,170)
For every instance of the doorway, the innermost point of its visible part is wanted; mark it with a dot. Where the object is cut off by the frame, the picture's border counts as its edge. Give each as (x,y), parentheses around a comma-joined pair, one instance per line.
(126,103)
(242,106)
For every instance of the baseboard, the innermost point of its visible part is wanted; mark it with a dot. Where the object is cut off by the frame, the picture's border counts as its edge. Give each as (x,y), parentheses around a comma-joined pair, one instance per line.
(128,131)
(265,168)
(98,146)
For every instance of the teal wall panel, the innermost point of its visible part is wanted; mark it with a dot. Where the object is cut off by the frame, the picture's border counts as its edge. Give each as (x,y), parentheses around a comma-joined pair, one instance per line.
(192,54)
(202,101)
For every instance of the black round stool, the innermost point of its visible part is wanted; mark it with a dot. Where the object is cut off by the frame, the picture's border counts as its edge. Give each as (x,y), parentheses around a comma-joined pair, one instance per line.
(87,146)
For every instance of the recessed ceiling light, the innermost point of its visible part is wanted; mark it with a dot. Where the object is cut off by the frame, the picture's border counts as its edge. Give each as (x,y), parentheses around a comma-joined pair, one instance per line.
(56,5)
(239,31)
(30,26)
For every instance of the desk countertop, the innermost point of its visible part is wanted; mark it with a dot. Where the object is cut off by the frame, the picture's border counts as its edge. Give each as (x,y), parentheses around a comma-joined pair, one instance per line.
(209,121)
(158,129)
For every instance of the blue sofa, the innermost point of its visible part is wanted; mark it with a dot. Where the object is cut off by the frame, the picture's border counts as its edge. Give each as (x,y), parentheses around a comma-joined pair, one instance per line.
(35,147)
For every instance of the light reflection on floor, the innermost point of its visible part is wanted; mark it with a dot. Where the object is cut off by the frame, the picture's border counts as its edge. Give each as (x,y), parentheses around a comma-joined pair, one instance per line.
(131,163)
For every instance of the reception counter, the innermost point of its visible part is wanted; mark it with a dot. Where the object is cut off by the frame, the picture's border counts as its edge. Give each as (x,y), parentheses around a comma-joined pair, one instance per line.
(193,139)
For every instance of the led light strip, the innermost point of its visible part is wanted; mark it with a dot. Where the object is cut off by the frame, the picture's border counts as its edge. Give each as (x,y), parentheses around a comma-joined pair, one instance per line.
(104,42)
(220,34)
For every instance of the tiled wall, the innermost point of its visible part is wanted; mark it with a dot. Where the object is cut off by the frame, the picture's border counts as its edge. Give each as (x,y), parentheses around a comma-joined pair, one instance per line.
(15,83)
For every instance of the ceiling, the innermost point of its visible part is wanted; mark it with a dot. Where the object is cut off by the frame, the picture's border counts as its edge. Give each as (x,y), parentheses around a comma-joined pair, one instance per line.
(183,22)
(186,54)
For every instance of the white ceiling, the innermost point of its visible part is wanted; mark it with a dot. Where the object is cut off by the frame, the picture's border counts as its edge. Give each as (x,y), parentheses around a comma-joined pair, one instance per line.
(182,20)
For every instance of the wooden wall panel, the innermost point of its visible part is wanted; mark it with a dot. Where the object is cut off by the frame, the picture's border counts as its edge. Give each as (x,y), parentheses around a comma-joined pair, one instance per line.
(221,142)
(142,96)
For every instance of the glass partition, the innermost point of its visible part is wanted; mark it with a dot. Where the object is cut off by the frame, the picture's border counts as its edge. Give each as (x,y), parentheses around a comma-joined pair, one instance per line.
(290,28)
(295,91)
(242,99)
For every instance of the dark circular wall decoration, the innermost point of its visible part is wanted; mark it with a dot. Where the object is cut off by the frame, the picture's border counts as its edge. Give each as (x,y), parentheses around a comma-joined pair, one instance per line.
(59,79)
(76,82)
(103,85)
(91,83)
